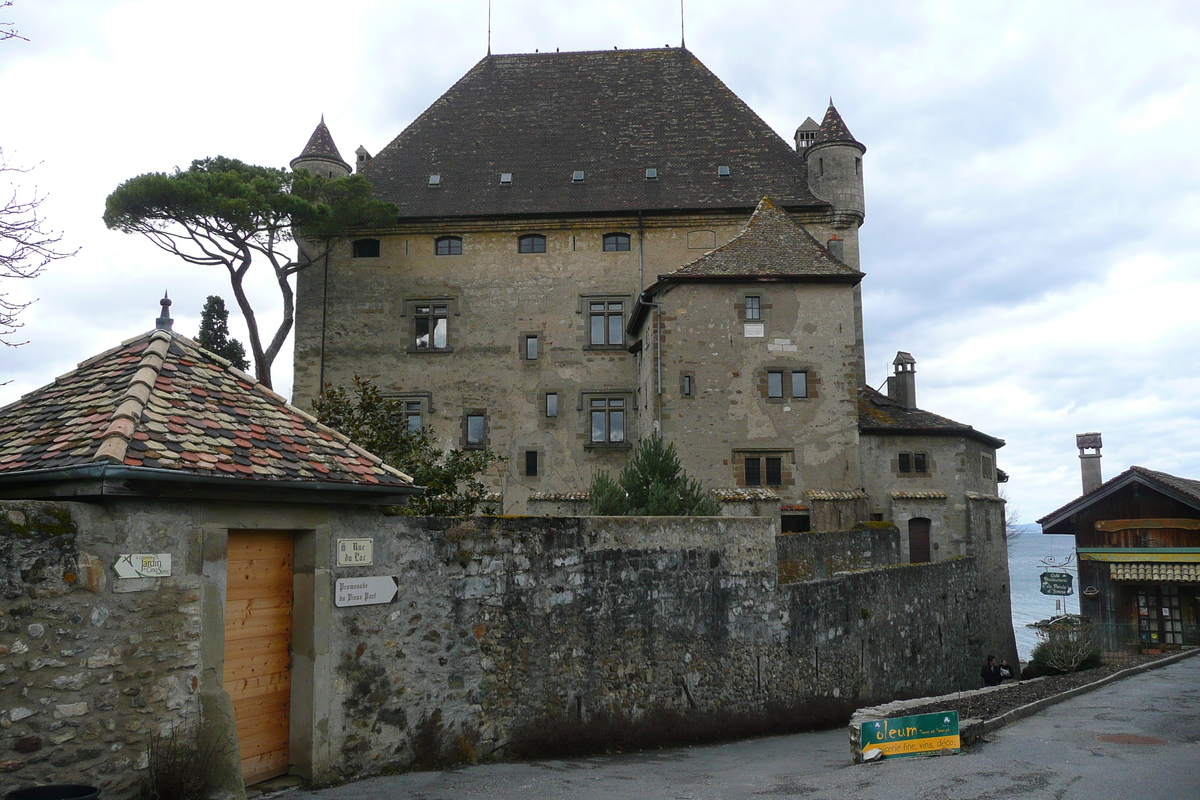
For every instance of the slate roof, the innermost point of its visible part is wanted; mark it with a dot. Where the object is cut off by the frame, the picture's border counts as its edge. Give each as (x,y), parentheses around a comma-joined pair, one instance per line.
(611,114)
(771,245)
(159,402)
(1185,490)
(878,413)
(321,145)
(833,129)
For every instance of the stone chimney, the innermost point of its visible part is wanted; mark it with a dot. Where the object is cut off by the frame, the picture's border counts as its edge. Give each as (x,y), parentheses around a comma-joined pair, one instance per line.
(902,386)
(1089,463)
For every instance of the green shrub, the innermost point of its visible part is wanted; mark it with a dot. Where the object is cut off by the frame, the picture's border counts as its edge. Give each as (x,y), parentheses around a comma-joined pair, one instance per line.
(654,484)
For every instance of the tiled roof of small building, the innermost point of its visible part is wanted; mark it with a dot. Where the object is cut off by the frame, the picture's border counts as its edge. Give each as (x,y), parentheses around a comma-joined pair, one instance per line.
(610,114)
(739,494)
(560,497)
(160,401)
(878,413)
(833,129)
(918,495)
(772,245)
(1155,572)
(831,494)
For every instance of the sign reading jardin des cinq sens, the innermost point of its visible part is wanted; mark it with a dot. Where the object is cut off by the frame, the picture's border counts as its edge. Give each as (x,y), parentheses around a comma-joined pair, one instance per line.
(922,734)
(1056,583)
(355,552)
(143,565)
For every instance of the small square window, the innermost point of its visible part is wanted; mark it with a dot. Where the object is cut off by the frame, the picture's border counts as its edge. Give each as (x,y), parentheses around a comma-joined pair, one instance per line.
(687,385)
(476,430)
(905,462)
(651,174)
(531,463)
(412,415)
(774,384)
(799,384)
(551,404)
(577,176)
(753,308)
(753,471)
(913,463)
(985,467)
(722,171)
(920,464)
(506,179)
(435,181)
(531,348)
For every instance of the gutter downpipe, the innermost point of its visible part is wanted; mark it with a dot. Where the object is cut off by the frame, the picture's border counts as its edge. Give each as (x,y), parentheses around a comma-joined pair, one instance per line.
(657,358)
(324,316)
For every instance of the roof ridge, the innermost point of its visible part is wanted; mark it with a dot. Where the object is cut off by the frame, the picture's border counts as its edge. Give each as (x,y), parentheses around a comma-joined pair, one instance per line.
(115,438)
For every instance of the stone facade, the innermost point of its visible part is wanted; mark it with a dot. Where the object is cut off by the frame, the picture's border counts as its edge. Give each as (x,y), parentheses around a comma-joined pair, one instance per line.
(498,623)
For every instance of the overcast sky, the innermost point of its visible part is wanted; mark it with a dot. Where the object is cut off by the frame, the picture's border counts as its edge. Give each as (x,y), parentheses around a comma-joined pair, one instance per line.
(1032,178)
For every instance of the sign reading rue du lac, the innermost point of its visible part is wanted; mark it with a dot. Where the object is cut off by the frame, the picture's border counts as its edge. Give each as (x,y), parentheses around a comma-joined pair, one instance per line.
(906,736)
(367,591)
(1056,583)
(355,552)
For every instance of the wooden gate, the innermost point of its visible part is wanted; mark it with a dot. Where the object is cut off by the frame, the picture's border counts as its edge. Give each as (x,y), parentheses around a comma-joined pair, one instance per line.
(258,648)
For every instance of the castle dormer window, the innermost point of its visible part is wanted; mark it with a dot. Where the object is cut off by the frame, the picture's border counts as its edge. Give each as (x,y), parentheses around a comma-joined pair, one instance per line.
(435,181)
(722,171)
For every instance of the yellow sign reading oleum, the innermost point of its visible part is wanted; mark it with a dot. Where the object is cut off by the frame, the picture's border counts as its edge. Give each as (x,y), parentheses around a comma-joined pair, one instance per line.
(906,736)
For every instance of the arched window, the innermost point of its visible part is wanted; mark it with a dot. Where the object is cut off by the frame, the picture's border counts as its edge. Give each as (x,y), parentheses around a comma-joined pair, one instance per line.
(531,243)
(365,248)
(448,246)
(616,242)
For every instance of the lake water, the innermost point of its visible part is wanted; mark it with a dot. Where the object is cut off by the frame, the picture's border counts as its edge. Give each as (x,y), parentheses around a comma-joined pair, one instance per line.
(1026,553)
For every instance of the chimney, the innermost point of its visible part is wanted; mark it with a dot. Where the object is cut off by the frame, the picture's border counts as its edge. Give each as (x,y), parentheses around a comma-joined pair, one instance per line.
(1089,463)
(902,386)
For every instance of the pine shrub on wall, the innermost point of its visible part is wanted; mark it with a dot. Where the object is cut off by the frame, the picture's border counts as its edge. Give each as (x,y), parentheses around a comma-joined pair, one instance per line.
(654,484)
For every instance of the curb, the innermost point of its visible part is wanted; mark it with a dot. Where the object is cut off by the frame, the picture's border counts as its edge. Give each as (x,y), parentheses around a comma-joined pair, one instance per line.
(977,729)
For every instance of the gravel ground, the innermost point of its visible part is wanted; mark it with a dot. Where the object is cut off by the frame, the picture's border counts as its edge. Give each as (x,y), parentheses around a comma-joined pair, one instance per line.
(1014,694)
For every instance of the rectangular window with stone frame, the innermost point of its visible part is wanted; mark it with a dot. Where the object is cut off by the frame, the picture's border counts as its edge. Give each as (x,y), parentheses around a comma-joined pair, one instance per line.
(430,329)
(782,384)
(474,429)
(913,463)
(763,468)
(607,416)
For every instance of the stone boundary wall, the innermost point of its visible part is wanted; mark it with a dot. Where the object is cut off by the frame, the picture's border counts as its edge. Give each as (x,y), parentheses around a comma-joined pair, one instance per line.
(499,622)
(819,555)
(88,671)
(502,622)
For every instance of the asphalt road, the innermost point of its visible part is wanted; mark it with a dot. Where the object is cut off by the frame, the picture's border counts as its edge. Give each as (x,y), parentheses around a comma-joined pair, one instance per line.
(1136,738)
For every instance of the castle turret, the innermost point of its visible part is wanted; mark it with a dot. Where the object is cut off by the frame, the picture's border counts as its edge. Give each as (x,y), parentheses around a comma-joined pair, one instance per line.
(834,159)
(321,155)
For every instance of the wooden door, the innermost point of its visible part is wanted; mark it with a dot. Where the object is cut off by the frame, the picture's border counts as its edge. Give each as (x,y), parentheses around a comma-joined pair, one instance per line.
(258,648)
(918,540)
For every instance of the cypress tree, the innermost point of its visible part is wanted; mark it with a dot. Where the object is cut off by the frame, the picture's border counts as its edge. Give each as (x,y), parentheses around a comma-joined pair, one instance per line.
(214,333)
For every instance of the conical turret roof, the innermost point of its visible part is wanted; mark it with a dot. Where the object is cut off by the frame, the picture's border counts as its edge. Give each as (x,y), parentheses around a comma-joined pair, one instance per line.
(320,146)
(833,129)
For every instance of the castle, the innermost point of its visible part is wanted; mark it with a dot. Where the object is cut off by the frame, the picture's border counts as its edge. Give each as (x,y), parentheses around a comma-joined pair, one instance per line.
(594,246)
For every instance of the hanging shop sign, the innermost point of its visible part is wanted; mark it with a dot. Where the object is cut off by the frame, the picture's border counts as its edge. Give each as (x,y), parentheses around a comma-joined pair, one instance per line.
(1057,583)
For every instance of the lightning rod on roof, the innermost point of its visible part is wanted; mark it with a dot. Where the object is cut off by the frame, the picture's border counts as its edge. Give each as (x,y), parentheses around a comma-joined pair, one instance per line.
(682,38)
(489,27)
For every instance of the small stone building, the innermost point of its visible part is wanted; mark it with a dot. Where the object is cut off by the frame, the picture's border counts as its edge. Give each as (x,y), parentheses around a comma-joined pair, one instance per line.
(173,570)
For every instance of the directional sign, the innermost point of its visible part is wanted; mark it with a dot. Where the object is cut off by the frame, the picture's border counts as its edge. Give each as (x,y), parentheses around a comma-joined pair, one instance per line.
(1057,583)
(367,591)
(143,565)
(905,736)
